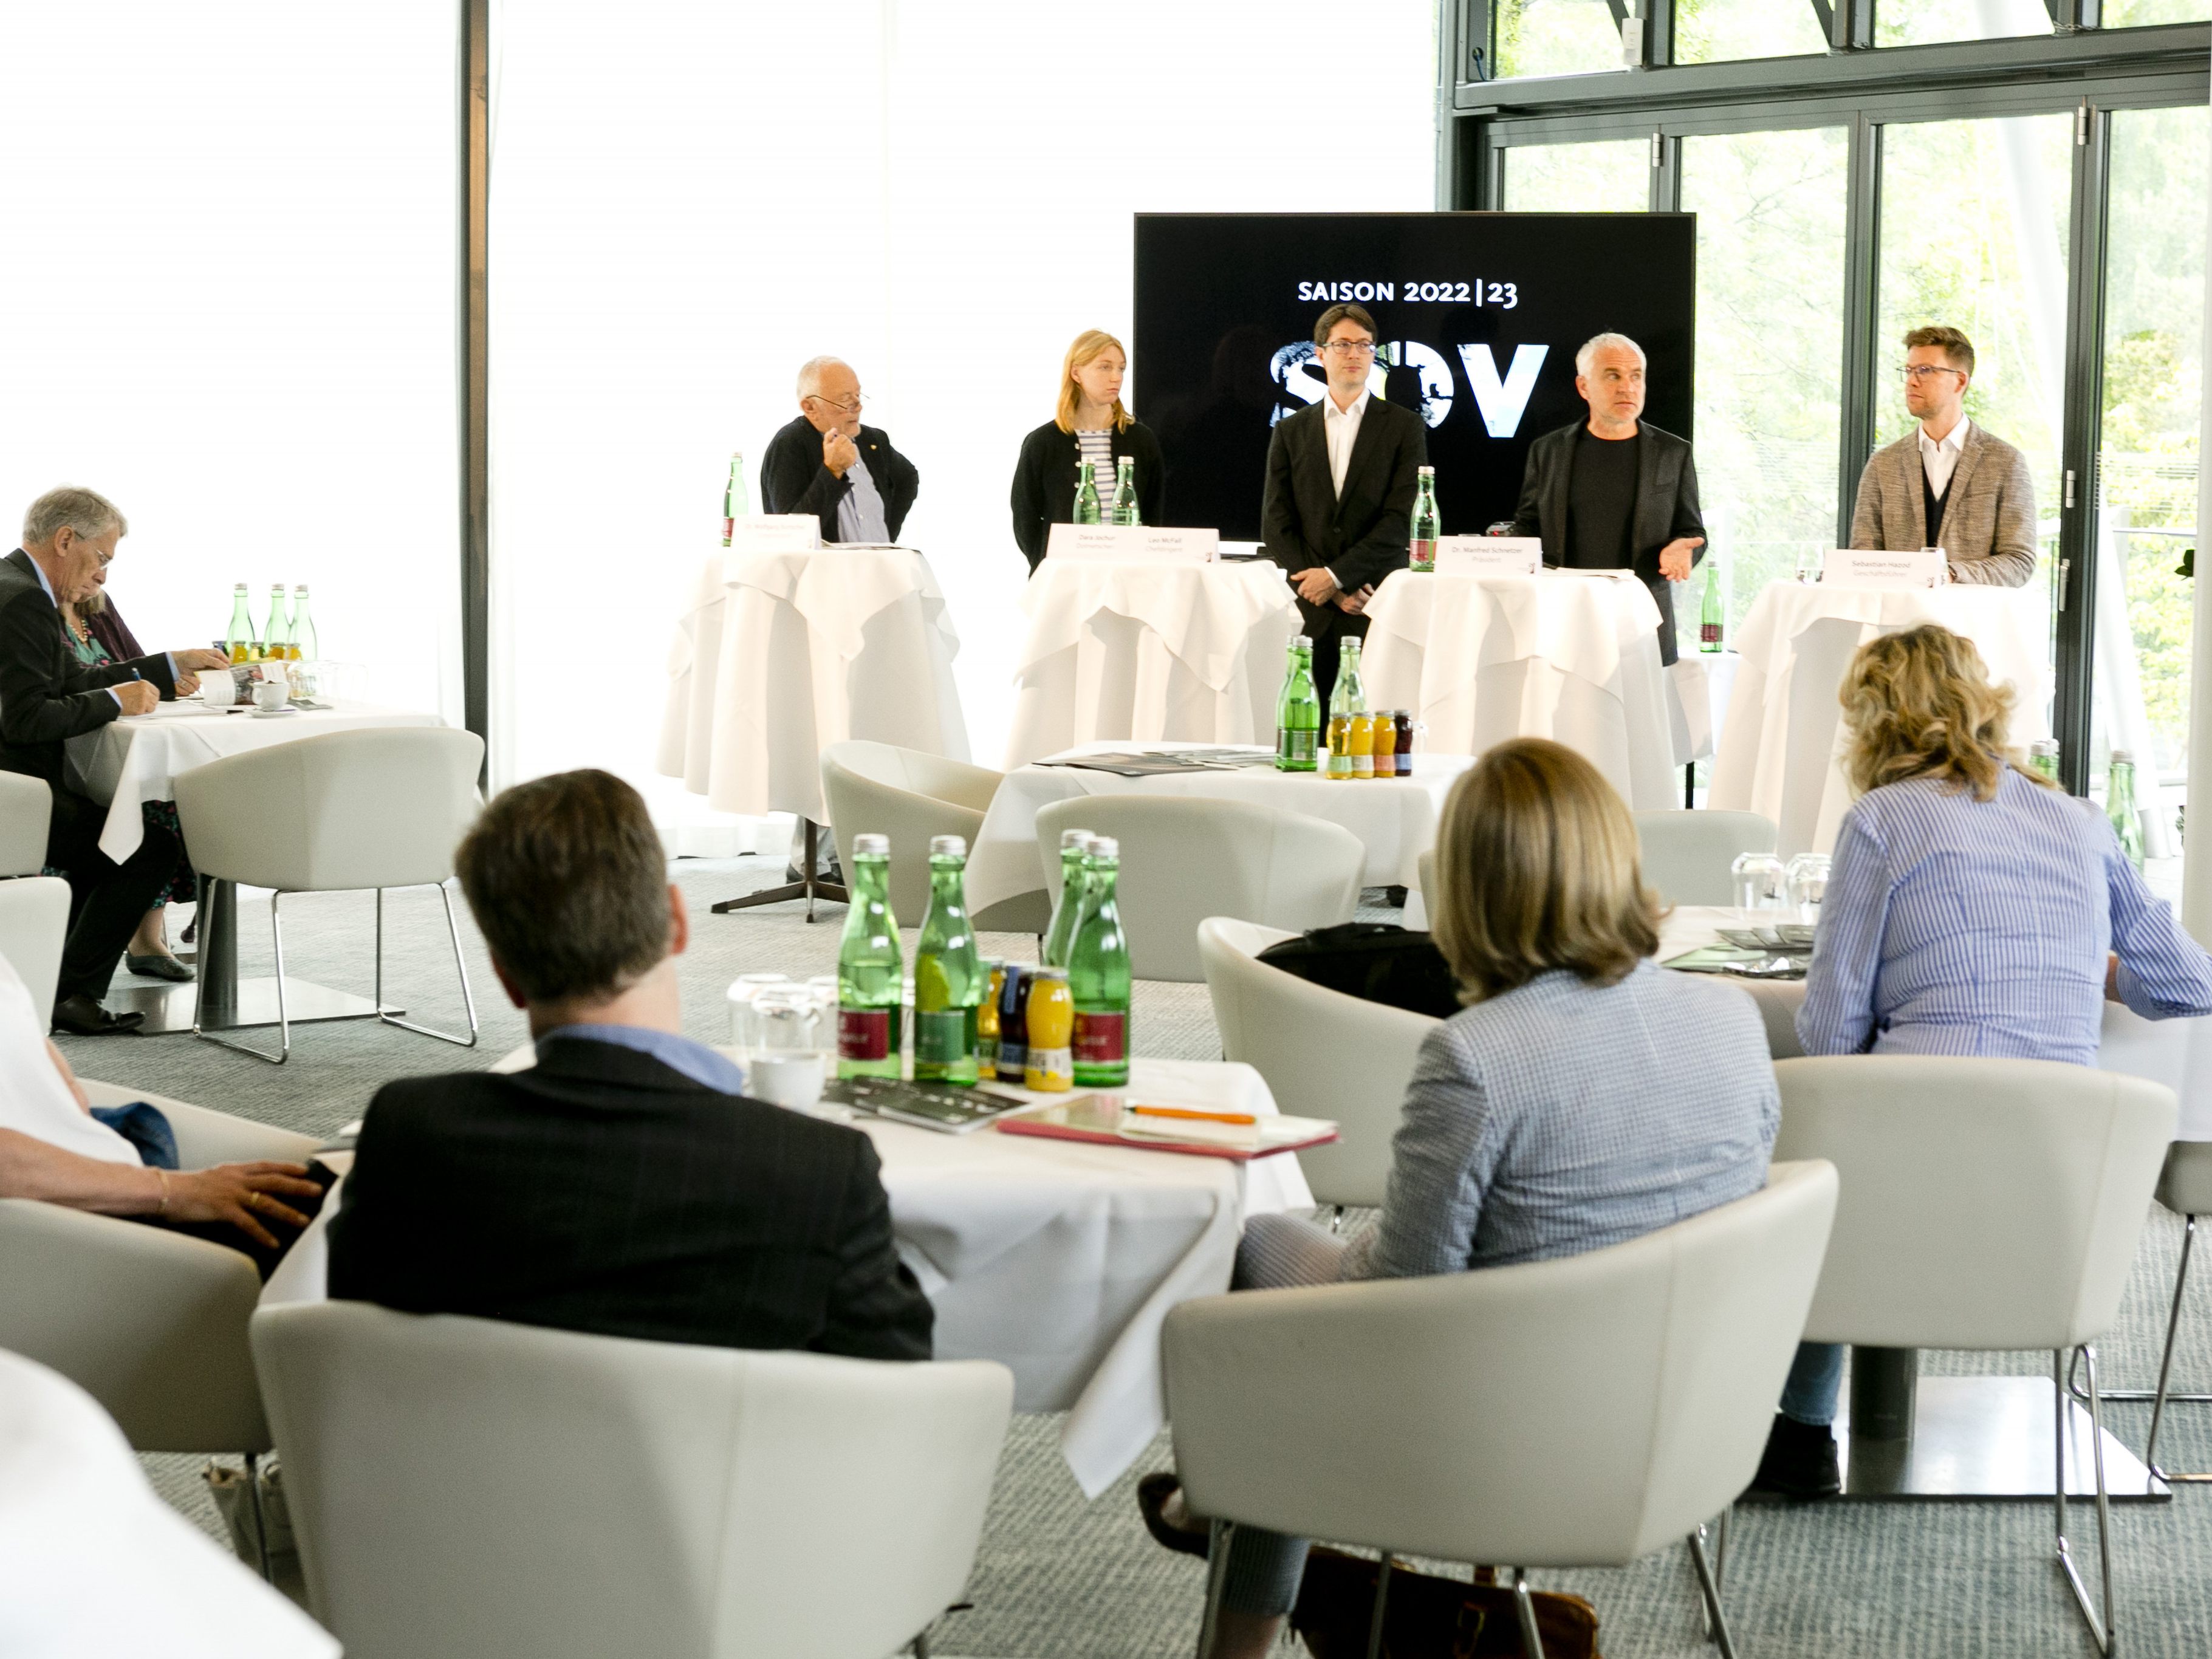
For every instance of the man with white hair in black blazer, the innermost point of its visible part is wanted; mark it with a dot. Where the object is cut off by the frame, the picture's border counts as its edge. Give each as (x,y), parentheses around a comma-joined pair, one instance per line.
(1613,492)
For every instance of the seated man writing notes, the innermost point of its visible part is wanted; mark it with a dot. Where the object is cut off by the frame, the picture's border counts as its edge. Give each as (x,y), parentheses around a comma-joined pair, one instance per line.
(622,1185)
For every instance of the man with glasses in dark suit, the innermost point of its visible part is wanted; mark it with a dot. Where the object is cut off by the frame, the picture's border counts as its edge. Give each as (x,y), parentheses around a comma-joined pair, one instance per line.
(622,1185)
(1342,475)
(826,463)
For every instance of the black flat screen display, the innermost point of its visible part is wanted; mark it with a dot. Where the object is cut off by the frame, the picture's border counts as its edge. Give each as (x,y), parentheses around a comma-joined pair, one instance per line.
(1479,317)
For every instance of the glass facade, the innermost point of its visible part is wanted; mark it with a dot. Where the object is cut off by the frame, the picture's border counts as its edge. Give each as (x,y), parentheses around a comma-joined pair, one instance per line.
(1612,177)
(1556,36)
(1924,22)
(1713,31)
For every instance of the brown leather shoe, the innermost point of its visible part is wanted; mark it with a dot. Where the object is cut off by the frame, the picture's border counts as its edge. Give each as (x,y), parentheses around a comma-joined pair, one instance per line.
(80,1016)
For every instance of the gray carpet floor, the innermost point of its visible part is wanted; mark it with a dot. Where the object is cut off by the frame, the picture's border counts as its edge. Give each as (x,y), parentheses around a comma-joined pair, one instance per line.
(1057,1575)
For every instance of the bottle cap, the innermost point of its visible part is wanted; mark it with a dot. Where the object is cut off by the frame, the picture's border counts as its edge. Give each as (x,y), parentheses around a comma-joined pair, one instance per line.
(1428,471)
(1105,846)
(1044,973)
(1073,838)
(871,846)
(2124,756)
(944,845)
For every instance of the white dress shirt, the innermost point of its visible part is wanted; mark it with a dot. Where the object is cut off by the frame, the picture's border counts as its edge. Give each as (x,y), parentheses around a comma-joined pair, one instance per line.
(1940,460)
(1340,426)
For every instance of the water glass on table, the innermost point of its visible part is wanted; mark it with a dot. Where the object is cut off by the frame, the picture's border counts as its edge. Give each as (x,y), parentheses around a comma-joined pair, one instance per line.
(787,1066)
(744,1034)
(1761,883)
(1808,879)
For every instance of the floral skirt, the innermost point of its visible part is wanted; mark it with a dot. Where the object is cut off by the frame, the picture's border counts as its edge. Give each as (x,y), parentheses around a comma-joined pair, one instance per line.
(184,884)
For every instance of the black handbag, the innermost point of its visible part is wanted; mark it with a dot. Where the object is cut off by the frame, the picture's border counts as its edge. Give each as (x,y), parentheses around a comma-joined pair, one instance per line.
(1429,1618)
(1374,961)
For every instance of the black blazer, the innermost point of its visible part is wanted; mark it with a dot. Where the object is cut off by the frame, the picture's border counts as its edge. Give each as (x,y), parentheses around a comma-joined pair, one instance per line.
(1666,506)
(1044,482)
(45,694)
(793,479)
(1361,536)
(606,1192)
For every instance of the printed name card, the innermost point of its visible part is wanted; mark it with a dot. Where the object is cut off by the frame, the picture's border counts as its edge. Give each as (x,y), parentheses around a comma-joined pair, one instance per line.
(1118,544)
(1489,555)
(775,533)
(1894,570)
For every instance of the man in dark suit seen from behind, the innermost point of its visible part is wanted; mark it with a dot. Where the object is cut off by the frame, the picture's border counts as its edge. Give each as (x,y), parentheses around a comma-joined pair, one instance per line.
(48,696)
(1615,492)
(826,463)
(1342,474)
(622,1185)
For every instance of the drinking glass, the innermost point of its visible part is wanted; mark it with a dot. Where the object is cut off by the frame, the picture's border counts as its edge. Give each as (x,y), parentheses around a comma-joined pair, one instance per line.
(1809,560)
(1808,877)
(1760,881)
(786,1068)
(743,1030)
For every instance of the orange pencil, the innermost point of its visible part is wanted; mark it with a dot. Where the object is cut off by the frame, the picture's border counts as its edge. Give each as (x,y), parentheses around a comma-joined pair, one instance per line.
(1207,1117)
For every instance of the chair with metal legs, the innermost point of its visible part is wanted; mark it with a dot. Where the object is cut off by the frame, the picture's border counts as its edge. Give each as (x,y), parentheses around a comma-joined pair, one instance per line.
(1457,1417)
(378,808)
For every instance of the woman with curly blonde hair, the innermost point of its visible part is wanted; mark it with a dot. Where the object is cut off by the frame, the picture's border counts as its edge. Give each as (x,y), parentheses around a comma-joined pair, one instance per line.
(1973,908)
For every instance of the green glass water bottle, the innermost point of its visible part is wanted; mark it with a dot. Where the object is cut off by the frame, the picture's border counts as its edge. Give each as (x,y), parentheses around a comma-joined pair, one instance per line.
(1421,548)
(305,646)
(871,973)
(2043,758)
(1087,494)
(1298,713)
(1060,937)
(276,638)
(2120,805)
(239,640)
(733,498)
(1098,974)
(1709,617)
(949,975)
(1125,491)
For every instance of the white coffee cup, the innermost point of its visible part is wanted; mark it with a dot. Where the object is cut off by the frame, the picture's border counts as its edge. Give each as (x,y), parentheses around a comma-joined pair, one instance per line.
(273,693)
(786,1078)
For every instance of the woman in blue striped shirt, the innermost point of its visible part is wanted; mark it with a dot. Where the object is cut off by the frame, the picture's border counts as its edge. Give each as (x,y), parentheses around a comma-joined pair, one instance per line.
(1973,908)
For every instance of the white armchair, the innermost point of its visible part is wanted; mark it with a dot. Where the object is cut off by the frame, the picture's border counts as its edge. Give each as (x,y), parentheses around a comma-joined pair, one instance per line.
(1582,1412)
(26,805)
(461,1487)
(876,788)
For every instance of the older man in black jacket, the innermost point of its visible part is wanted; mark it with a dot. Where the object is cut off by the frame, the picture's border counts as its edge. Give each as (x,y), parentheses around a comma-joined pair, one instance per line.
(48,696)
(1615,492)
(622,1185)
(826,463)
(1342,474)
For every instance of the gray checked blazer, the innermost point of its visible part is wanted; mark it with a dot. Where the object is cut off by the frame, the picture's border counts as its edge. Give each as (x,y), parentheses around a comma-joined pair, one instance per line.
(1989,513)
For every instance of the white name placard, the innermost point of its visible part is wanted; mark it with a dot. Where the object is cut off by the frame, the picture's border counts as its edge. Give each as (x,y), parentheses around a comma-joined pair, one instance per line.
(1489,555)
(1889,568)
(1119,543)
(775,533)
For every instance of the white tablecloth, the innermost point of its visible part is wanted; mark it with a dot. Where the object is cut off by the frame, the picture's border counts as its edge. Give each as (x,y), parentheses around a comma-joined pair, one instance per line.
(1571,656)
(137,759)
(1149,652)
(1395,820)
(1778,749)
(2175,1051)
(779,655)
(1056,1258)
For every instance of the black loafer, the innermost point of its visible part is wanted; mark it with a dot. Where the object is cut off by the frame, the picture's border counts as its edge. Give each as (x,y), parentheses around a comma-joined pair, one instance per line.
(1800,1461)
(160,966)
(80,1016)
(1152,1494)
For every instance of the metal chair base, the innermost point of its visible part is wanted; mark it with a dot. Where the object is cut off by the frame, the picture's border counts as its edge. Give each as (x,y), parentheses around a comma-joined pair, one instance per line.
(2161,1397)
(2098,1617)
(283,1014)
(809,886)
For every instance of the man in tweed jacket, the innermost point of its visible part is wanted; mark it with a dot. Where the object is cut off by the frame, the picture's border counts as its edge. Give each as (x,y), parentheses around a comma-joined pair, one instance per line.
(1948,484)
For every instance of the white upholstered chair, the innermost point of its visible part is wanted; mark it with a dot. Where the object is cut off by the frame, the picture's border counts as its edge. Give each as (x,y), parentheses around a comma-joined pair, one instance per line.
(1323,1054)
(1987,1205)
(1186,857)
(1686,855)
(464,1489)
(152,1324)
(1583,1411)
(34,923)
(875,788)
(378,808)
(26,807)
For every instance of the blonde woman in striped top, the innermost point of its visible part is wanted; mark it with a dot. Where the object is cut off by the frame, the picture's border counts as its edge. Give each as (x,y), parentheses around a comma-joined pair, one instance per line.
(1091,425)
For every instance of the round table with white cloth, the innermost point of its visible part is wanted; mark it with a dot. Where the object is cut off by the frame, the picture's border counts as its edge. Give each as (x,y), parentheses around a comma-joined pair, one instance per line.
(1395,818)
(1570,655)
(1778,748)
(1057,1258)
(1149,653)
(135,759)
(779,655)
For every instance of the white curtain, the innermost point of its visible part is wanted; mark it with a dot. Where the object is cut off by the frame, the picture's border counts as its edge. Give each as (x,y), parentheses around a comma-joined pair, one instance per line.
(227,302)
(690,198)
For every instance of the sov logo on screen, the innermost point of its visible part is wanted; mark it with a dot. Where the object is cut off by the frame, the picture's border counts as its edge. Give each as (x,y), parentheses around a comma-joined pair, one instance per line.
(1502,398)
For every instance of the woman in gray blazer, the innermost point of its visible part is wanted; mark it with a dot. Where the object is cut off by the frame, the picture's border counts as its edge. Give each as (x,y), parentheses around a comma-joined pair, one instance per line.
(1583,1097)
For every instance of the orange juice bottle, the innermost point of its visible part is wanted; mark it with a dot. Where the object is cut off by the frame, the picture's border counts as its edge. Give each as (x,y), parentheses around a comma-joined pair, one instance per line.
(1363,745)
(1339,747)
(1051,1066)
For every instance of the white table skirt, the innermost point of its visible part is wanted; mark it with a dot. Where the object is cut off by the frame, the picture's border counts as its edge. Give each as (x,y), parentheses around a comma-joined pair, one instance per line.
(779,655)
(132,761)
(1395,820)
(1058,1259)
(2175,1051)
(1778,750)
(1149,652)
(1570,656)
